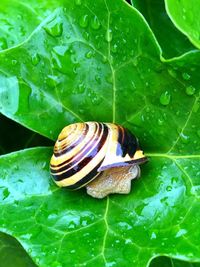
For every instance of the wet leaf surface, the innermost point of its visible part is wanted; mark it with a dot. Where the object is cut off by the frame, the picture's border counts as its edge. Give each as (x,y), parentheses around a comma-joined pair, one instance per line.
(185,16)
(171,40)
(82,62)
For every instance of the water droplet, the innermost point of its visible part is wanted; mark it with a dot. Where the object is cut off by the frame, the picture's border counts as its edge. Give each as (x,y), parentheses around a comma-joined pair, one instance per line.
(181,232)
(81,88)
(184,138)
(164,199)
(110,264)
(165,98)
(6,193)
(114,48)
(128,241)
(108,35)
(96,100)
(95,24)
(83,21)
(190,90)
(14,62)
(196,106)
(172,73)
(174,180)
(98,79)
(22,31)
(153,235)
(54,28)
(89,54)
(186,76)
(9,94)
(3,43)
(52,81)
(168,188)
(35,59)
(160,121)
(104,59)
(77,2)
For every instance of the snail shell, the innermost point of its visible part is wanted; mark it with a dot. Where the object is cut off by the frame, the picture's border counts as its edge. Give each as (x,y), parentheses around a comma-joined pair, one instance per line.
(84,151)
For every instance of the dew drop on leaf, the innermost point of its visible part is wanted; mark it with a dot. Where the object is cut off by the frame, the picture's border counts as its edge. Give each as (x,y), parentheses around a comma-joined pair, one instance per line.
(83,21)
(128,241)
(160,122)
(174,180)
(168,188)
(3,43)
(104,59)
(108,35)
(153,235)
(190,90)
(110,264)
(109,79)
(98,79)
(54,28)
(14,62)
(186,76)
(35,59)
(77,2)
(184,138)
(52,81)
(96,100)
(114,48)
(172,73)
(89,54)
(81,88)
(95,24)
(165,98)
(6,193)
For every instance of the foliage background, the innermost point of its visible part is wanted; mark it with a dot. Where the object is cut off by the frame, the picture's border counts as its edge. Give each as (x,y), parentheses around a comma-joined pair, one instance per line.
(159,219)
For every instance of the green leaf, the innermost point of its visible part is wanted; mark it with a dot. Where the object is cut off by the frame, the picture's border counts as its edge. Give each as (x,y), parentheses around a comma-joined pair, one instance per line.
(19,19)
(84,63)
(158,217)
(12,254)
(185,16)
(69,91)
(171,40)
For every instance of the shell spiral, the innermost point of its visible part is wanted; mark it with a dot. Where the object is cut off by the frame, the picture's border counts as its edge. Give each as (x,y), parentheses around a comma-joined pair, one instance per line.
(83,150)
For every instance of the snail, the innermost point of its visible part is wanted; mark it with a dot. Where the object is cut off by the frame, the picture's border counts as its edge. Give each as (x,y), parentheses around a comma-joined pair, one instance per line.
(103,157)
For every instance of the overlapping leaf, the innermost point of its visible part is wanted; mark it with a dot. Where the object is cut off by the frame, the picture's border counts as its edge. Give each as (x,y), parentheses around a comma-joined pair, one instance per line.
(100,61)
(171,40)
(12,254)
(185,15)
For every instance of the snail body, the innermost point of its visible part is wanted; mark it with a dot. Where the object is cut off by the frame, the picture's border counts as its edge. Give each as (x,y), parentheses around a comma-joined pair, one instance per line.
(85,151)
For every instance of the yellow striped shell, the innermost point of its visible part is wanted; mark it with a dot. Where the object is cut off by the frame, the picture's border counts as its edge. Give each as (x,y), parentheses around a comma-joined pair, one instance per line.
(84,150)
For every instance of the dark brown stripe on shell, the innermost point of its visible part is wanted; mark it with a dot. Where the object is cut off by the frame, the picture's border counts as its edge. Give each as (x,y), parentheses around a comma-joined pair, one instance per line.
(119,151)
(66,149)
(86,179)
(78,165)
(128,143)
(82,152)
